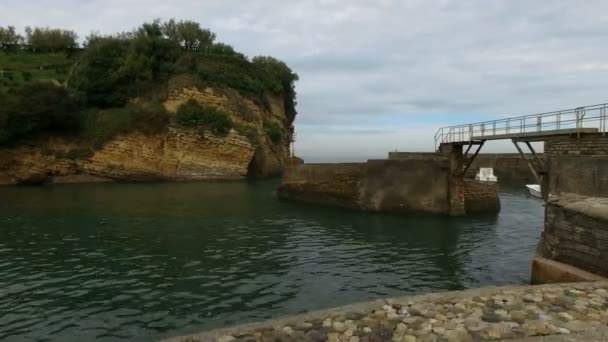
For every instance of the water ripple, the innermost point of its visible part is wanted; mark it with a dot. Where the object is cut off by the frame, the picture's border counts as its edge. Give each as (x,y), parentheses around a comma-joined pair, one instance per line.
(146,261)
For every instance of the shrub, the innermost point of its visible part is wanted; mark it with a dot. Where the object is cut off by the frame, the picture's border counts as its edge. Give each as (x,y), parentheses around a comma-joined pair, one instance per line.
(103,125)
(27,76)
(248,131)
(98,74)
(274,131)
(192,114)
(150,118)
(47,39)
(38,107)
(232,71)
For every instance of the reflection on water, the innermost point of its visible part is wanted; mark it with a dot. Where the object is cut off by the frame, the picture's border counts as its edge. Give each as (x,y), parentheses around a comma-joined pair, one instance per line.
(146,261)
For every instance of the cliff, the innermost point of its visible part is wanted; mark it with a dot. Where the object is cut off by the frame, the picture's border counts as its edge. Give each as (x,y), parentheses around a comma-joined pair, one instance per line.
(175,153)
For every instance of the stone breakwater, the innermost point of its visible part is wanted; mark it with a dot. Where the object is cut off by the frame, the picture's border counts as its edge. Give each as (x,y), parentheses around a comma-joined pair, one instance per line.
(564,312)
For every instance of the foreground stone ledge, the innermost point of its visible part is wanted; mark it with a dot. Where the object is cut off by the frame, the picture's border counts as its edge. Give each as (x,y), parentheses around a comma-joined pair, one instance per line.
(558,312)
(546,271)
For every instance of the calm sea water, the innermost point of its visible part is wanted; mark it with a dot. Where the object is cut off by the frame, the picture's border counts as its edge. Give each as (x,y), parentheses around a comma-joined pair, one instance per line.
(147,261)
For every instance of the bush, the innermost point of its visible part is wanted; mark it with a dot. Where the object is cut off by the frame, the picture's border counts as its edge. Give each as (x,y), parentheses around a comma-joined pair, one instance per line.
(39,107)
(46,39)
(98,73)
(27,76)
(150,118)
(248,131)
(192,114)
(103,125)
(274,131)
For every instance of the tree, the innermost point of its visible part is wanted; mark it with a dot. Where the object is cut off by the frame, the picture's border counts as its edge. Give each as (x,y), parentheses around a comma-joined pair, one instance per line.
(282,81)
(97,74)
(9,38)
(150,55)
(189,35)
(91,38)
(116,68)
(51,40)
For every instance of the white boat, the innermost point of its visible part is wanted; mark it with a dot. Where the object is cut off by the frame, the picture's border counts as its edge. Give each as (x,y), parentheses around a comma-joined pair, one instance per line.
(486,174)
(534,190)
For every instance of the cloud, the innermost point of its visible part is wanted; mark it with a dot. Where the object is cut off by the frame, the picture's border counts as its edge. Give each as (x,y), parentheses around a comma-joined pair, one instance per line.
(411,65)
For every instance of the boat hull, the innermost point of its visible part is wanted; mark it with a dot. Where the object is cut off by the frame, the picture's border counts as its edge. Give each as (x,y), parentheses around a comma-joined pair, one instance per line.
(534,190)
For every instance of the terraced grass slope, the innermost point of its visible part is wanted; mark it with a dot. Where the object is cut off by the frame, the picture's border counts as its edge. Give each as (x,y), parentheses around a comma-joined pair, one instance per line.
(20,67)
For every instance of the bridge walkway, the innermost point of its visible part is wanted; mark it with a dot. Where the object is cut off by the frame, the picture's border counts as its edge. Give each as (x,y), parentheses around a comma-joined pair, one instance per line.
(526,129)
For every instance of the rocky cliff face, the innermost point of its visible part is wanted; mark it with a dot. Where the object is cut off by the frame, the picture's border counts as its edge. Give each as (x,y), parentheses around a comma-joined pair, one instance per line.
(175,154)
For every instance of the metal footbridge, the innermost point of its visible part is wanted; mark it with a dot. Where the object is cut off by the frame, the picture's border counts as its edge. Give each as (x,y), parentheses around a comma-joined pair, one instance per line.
(527,129)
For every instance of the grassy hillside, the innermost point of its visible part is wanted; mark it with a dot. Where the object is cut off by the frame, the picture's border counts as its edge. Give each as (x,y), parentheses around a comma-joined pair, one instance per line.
(20,67)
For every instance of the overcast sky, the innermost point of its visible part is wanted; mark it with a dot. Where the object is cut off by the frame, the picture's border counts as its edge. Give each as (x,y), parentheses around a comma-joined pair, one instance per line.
(385,74)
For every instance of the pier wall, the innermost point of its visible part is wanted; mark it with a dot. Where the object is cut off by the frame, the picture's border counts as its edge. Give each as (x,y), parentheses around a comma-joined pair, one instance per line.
(508,167)
(423,183)
(574,242)
(578,165)
(326,184)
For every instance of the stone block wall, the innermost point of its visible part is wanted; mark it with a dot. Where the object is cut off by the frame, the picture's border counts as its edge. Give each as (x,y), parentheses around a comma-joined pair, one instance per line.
(326,184)
(481,196)
(587,144)
(576,232)
(577,165)
(574,242)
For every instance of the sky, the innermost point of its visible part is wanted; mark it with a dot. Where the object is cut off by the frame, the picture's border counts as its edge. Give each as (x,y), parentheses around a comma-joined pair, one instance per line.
(384,75)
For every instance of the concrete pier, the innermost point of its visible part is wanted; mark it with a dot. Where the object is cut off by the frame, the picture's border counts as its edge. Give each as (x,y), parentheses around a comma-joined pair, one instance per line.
(417,183)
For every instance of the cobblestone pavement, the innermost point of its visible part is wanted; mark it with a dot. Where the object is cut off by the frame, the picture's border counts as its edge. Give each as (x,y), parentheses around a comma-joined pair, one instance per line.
(473,315)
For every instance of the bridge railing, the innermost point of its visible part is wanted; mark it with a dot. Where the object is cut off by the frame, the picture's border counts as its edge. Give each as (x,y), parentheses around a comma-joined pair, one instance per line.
(595,116)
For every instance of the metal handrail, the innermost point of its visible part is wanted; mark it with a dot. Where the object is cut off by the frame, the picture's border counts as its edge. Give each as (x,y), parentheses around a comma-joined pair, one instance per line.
(594,116)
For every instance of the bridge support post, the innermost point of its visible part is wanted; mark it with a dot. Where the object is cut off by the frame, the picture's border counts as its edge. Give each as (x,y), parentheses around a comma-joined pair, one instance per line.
(535,164)
(456,179)
(472,159)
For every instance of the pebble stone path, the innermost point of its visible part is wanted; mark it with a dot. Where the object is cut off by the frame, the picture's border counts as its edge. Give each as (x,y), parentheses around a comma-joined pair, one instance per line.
(507,313)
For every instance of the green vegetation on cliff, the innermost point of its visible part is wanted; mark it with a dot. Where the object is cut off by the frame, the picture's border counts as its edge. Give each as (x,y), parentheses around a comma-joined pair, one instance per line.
(193,114)
(48,85)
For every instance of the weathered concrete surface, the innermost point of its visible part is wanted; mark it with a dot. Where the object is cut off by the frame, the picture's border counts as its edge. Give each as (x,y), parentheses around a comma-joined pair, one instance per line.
(562,312)
(416,185)
(546,271)
(421,183)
